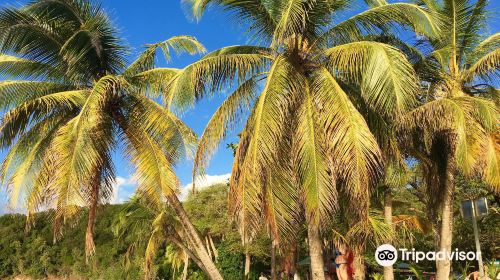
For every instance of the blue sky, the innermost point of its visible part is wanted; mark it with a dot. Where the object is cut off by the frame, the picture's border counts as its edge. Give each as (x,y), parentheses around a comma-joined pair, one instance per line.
(156,20)
(149,21)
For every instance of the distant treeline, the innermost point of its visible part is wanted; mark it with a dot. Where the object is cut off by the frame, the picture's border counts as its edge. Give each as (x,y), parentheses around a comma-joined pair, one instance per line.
(121,246)
(119,255)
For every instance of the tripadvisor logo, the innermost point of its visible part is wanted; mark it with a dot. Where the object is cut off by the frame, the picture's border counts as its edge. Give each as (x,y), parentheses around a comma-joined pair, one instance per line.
(387,255)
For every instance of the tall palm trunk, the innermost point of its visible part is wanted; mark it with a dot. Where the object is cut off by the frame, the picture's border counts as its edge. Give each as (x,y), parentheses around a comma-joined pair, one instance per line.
(388,270)
(89,234)
(199,248)
(273,261)
(296,274)
(443,266)
(359,262)
(247,264)
(212,245)
(290,256)
(315,252)
(185,269)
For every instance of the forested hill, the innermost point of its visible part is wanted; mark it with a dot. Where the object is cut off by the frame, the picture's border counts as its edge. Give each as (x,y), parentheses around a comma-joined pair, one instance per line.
(123,231)
(121,244)
(33,253)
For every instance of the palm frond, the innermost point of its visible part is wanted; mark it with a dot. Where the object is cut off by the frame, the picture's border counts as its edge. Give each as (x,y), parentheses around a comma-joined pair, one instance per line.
(12,66)
(179,44)
(384,16)
(222,121)
(259,144)
(353,150)
(387,80)
(476,24)
(154,173)
(153,82)
(261,17)
(82,150)
(486,67)
(490,162)
(213,72)
(18,119)
(291,21)
(15,92)
(174,137)
(28,35)
(317,183)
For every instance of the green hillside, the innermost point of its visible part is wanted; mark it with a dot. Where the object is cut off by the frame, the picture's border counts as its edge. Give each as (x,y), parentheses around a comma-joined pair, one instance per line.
(119,255)
(123,231)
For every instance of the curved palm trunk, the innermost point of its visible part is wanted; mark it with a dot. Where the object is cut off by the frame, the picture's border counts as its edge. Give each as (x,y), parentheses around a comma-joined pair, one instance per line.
(443,266)
(177,241)
(315,252)
(89,234)
(388,270)
(198,245)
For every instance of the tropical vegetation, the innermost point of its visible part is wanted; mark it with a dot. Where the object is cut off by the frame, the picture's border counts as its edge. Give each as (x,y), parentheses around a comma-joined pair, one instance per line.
(123,232)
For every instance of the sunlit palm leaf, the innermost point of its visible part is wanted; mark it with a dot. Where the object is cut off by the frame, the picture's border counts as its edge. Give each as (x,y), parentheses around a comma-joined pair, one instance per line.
(222,121)
(387,79)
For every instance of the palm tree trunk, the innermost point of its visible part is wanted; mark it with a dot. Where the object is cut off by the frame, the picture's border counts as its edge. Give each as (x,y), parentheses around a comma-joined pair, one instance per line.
(189,229)
(443,266)
(388,270)
(289,260)
(208,248)
(359,263)
(177,241)
(247,264)
(296,274)
(212,244)
(315,252)
(273,261)
(89,234)
(186,265)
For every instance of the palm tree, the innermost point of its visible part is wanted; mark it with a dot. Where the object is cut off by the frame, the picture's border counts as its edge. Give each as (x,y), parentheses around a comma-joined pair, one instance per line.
(153,227)
(299,92)
(72,101)
(453,129)
(177,259)
(61,53)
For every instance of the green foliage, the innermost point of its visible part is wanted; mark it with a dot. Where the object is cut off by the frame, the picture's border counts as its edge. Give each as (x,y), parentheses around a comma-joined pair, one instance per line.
(33,253)
(209,211)
(208,208)
(231,265)
(120,253)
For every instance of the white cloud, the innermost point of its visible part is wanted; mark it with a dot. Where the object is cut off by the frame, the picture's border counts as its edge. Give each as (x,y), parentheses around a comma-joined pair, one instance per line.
(203,182)
(124,188)
(120,192)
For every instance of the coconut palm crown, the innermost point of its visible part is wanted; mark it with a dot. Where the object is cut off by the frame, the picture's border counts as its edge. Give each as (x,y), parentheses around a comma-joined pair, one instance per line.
(455,127)
(299,89)
(71,101)
(459,71)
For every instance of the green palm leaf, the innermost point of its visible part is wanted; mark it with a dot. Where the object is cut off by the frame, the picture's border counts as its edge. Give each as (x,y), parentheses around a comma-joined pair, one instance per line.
(387,79)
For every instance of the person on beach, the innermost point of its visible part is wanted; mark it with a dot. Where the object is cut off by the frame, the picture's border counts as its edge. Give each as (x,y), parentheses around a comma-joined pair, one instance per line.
(342,261)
